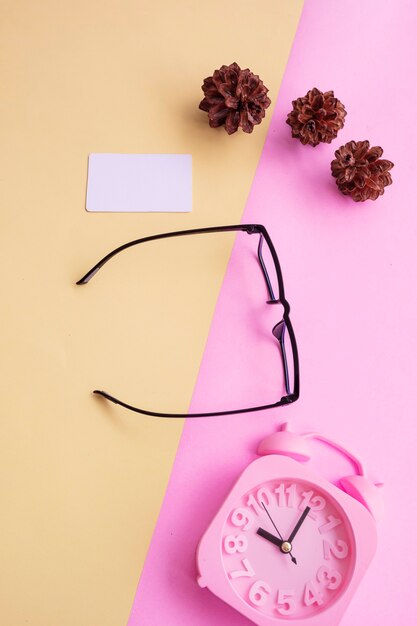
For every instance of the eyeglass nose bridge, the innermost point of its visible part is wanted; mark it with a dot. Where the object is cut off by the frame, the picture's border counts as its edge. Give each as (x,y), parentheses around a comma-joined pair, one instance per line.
(285,305)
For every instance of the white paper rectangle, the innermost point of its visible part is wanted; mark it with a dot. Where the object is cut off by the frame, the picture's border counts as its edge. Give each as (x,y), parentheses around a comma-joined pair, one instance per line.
(139,182)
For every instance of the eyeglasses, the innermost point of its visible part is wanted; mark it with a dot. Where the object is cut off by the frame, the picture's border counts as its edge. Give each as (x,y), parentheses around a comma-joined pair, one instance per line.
(282,331)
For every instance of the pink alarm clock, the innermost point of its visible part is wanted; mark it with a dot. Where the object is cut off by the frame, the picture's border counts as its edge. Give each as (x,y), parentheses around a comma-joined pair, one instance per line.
(288,545)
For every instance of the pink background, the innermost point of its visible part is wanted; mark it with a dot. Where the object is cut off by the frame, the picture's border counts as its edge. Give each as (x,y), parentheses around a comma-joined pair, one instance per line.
(350,276)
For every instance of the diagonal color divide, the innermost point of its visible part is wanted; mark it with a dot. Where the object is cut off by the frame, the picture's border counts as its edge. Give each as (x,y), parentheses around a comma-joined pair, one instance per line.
(346,268)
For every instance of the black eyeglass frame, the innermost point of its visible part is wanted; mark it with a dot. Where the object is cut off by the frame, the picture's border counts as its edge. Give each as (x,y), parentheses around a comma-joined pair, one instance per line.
(279,330)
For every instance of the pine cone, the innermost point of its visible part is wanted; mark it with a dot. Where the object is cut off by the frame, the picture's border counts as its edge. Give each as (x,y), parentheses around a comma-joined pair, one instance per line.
(317,117)
(233,98)
(360,172)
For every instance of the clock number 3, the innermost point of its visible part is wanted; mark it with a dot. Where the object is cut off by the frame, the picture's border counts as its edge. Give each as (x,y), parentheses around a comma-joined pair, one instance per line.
(331,578)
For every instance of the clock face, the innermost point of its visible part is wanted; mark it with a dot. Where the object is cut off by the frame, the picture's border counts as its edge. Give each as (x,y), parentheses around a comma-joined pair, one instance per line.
(287,549)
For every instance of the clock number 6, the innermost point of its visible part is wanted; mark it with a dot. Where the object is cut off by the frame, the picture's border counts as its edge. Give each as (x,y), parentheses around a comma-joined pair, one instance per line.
(258,593)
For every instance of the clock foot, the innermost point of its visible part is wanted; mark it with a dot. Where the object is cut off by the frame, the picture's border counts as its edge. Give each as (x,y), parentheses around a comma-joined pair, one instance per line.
(201,582)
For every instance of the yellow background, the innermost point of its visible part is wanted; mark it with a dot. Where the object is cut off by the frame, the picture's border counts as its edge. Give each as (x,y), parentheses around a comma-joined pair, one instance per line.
(82,482)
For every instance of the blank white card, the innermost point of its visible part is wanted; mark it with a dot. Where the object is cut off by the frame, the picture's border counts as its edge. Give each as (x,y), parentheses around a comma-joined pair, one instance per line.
(139,182)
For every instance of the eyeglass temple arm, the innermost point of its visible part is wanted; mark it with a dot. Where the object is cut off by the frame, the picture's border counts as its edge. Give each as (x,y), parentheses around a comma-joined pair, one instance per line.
(248,228)
(107,396)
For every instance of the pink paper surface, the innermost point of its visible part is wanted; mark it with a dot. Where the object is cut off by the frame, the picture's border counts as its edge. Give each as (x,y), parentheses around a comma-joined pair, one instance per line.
(350,276)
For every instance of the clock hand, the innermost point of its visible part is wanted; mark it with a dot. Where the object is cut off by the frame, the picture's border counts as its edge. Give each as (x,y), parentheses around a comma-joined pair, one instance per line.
(269,536)
(298,524)
(284,548)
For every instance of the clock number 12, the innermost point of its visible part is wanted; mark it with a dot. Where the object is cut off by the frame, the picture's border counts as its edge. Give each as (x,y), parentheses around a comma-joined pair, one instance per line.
(316,503)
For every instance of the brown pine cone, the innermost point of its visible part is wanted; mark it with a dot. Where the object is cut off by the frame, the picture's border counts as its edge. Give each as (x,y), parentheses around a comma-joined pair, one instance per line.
(233,98)
(360,172)
(316,118)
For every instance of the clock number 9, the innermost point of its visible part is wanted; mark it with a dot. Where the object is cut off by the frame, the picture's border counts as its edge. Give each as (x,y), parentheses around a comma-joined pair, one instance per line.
(243,518)
(234,544)
(258,593)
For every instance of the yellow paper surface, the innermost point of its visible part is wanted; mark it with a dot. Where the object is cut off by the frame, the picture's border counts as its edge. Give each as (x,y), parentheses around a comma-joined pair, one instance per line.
(82,482)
